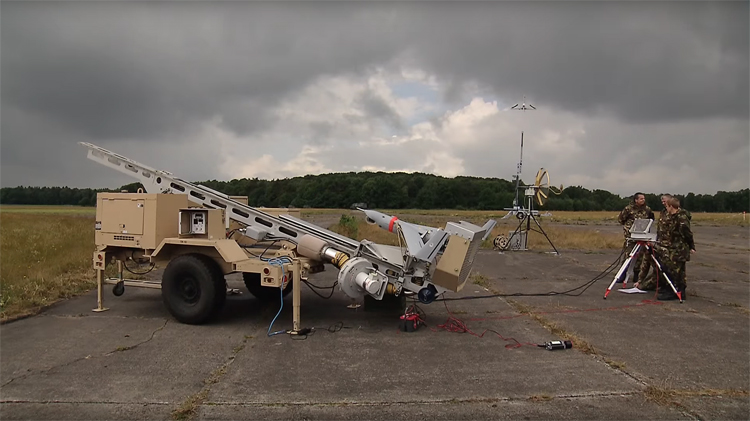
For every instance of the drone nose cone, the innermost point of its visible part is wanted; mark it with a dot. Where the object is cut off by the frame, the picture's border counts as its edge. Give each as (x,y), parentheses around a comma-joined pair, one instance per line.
(374,215)
(382,220)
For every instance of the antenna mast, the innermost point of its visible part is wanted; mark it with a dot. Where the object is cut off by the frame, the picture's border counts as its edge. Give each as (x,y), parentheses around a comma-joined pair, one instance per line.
(520,107)
(539,190)
(518,173)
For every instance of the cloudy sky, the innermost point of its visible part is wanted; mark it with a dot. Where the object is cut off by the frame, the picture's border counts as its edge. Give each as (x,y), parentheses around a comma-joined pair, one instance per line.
(629,95)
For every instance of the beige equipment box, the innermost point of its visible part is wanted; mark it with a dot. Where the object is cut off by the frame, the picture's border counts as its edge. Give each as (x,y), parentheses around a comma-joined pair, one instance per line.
(137,220)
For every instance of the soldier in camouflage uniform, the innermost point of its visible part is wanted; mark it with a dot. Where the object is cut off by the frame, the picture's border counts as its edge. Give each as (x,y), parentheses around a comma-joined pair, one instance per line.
(647,281)
(637,209)
(647,278)
(678,238)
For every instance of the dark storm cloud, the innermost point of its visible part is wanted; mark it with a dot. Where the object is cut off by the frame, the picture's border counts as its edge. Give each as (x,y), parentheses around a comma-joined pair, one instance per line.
(640,61)
(139,69)
(147,71)
(129,69)
(377,109)
(320,130)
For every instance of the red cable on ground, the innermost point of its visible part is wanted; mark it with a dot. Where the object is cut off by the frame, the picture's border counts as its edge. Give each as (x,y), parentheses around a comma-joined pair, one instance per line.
(456,325)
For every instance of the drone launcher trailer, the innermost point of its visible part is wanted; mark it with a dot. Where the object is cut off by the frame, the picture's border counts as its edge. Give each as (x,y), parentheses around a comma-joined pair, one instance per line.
(202,234)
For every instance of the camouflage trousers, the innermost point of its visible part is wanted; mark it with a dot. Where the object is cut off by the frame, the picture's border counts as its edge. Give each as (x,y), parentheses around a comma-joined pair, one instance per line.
(674,268)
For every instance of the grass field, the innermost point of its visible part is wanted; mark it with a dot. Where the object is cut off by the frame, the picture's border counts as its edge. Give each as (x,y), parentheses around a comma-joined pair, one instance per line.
(56,210)
(46,256)
(561,217)
(562,237)
(46,250)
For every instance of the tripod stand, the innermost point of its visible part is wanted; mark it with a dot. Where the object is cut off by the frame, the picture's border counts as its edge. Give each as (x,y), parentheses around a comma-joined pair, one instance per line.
(648,248)
(527,217)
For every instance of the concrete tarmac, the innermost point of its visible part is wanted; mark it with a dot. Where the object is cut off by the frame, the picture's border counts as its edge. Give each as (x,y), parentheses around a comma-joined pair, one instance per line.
(632,358)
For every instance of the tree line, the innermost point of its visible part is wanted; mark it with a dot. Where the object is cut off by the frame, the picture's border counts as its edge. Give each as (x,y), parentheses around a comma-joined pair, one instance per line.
(391,191)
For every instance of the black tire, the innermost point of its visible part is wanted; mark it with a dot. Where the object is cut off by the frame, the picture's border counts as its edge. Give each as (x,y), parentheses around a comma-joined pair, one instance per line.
(263,294)
(193,288)
(118,289)
(221,283)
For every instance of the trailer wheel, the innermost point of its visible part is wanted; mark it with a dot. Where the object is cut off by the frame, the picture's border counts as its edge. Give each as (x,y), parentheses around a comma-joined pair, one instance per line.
(193,288)
(221,283)
(264,294)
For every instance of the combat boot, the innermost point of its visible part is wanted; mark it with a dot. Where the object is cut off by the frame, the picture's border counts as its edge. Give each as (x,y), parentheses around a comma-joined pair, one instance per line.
(666,295)
(683,293)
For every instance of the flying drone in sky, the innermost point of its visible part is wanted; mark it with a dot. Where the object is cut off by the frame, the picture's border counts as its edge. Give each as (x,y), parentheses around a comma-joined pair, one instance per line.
(523,106)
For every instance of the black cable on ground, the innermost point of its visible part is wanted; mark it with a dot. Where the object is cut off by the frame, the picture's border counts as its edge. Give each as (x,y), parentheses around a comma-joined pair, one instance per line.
(585,286)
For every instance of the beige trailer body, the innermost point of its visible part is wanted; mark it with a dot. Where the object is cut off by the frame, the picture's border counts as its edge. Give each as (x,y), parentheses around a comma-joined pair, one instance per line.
(162,227)
(137,220)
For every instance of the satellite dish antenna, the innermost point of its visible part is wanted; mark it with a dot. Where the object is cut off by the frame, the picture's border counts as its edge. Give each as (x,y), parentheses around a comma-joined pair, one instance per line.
(543,187)
(538,192)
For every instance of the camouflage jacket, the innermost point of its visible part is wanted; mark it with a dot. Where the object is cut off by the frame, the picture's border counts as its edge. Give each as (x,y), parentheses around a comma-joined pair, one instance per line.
(677,236)
(662,237)
(661,234)
(631,213)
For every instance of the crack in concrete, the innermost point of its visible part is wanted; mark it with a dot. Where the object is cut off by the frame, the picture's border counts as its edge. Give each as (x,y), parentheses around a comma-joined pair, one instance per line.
(98,316)
(127,348)
(87,357)
(55,401)
(34,373)
(453,401)
(344,403)
(190,406)
(595,353)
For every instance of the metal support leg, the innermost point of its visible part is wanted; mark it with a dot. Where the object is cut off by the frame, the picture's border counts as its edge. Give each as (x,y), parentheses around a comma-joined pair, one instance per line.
(627,278)
(623,268)
(296,294)
(528,229)
(543,233)
(99,301)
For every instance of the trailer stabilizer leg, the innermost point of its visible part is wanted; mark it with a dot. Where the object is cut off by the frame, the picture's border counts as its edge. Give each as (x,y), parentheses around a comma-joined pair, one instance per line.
(99,308)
